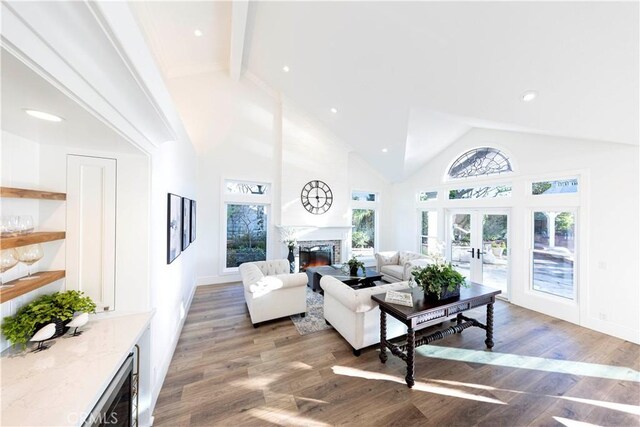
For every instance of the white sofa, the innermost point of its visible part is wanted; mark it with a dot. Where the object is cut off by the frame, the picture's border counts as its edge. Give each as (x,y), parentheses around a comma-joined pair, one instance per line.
(397,266)
(271,292)
(355,315)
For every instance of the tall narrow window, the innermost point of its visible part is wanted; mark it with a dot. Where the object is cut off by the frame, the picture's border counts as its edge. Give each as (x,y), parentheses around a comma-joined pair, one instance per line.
(246,222)
(363,233)
(480,161)
(246,234)
(363,223)
(554,250)
(428,231)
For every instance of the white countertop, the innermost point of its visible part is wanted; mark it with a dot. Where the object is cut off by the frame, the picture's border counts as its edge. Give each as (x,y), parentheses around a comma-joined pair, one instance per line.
(61,385)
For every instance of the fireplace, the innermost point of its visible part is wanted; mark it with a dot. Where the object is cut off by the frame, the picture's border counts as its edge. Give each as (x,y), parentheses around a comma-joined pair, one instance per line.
(315,256)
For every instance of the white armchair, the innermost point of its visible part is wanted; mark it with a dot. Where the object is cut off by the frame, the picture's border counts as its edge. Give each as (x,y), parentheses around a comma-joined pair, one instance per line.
(355,315)
(397,266)
(271,292)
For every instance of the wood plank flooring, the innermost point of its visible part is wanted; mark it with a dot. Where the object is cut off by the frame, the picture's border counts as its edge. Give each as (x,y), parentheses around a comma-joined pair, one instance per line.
(225,372)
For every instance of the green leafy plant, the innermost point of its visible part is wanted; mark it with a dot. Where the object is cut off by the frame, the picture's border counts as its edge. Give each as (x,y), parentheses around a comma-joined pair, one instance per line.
(355,264)
(60,305)
(435,278)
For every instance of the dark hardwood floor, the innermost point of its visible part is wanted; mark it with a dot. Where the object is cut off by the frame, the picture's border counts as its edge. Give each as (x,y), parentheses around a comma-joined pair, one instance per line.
(542,371)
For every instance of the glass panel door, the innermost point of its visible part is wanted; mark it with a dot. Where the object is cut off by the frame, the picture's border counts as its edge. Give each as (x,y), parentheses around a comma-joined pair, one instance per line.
(478,244)
(460,243)
(495,258)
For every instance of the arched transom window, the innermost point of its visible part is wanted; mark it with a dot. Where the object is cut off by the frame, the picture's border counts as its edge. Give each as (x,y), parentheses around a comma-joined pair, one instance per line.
(480,161)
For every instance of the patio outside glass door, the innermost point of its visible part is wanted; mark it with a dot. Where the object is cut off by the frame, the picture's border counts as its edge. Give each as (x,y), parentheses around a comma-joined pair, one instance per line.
(478,247)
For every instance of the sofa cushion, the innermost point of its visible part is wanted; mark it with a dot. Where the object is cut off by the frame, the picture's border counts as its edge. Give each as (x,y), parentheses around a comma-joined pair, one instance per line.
(392,270)
(406,256)
(273,267)
(388,257)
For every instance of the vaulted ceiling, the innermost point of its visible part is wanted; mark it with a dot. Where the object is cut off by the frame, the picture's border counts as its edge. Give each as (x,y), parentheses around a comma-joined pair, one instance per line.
(412,77)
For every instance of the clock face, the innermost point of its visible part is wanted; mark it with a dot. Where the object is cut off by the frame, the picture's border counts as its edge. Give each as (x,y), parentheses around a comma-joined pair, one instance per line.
(316,197)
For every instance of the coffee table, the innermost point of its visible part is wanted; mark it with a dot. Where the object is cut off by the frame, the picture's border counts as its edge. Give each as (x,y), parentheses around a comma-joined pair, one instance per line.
(424,314)
(357,282)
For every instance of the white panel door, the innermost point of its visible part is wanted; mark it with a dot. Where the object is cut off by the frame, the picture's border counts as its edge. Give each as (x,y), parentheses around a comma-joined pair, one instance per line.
(91,228)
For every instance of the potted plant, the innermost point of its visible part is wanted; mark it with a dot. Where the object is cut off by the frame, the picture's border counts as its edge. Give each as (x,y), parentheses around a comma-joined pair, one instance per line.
(439,280)
(57,308)
(354,264)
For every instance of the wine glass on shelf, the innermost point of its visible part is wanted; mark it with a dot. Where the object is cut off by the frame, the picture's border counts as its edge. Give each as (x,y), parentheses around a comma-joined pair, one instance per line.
(25,224)
(30,255)
(8,259)
(9,225)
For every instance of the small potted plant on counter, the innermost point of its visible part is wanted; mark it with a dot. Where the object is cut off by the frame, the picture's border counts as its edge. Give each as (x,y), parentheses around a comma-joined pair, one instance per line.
(439,280)
(353,265)
(58,308)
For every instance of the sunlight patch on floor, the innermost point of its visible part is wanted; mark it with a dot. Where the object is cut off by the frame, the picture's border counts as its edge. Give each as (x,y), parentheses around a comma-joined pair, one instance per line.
(308,399)
(573,423)
(530,362)
(255,383)
(622,407)
(420,386)
(282,417)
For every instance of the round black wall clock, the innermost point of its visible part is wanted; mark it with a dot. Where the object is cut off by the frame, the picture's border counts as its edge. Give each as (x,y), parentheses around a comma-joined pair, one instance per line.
(316,197)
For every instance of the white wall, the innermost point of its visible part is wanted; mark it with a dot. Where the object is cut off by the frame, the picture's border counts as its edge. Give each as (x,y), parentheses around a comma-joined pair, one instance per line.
(245,132)
(608,214)
(173,170)
(20,167)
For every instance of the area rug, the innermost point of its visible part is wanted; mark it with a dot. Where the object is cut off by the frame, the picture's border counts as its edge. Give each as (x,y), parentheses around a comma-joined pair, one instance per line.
(314,320)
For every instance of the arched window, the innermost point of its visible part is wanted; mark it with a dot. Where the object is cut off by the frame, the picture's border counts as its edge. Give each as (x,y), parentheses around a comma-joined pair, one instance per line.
(480,161)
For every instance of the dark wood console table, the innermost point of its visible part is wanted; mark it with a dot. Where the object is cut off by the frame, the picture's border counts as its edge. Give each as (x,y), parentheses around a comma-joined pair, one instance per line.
(424,314)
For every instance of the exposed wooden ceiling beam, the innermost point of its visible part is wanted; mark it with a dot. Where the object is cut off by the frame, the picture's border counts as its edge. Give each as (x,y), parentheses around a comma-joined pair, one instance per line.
(239,11)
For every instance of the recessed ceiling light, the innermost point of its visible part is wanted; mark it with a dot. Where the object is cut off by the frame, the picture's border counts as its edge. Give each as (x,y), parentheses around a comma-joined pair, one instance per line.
(529,95)
(334,110)
(384,150)
(285,68)
(43,116)
(197,33)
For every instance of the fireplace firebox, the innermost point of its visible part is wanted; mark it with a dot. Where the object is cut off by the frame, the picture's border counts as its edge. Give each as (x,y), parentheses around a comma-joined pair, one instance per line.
(315,256)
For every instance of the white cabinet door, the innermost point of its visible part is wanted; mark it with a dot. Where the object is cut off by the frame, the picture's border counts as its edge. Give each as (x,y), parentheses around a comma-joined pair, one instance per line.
(91,228)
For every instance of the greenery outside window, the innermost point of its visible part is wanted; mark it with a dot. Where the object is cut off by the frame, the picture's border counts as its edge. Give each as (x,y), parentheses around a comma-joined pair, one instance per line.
(425,196)
(480,192)
(246,234)
(566,186)
(363,232)
(428,231)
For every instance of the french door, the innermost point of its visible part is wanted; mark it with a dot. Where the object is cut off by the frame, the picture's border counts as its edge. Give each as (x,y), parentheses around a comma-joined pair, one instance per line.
(478,246)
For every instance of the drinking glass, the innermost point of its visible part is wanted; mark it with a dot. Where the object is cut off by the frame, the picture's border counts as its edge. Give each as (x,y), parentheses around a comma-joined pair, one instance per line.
(25,224)
(30,255)
(8,259)
(9,225)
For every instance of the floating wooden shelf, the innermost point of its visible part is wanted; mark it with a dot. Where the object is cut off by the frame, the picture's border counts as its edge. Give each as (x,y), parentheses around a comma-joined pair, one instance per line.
(31,239)
(18,287)
(21,193)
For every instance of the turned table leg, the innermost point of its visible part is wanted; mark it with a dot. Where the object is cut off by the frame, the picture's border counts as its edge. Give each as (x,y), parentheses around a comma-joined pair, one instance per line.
(383,336)
(411,353)
(489,340)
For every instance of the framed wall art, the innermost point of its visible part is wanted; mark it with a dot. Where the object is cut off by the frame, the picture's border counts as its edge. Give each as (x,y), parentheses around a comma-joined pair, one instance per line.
(193,220)
(174,227)
(186,223)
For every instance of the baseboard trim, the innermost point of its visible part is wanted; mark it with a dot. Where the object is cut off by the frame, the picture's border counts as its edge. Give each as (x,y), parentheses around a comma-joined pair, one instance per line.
(217,280)
(165,364)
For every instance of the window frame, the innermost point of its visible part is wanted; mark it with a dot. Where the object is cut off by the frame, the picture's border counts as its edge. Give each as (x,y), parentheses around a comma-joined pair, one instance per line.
(500,150)
(365,204)
(228,198)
